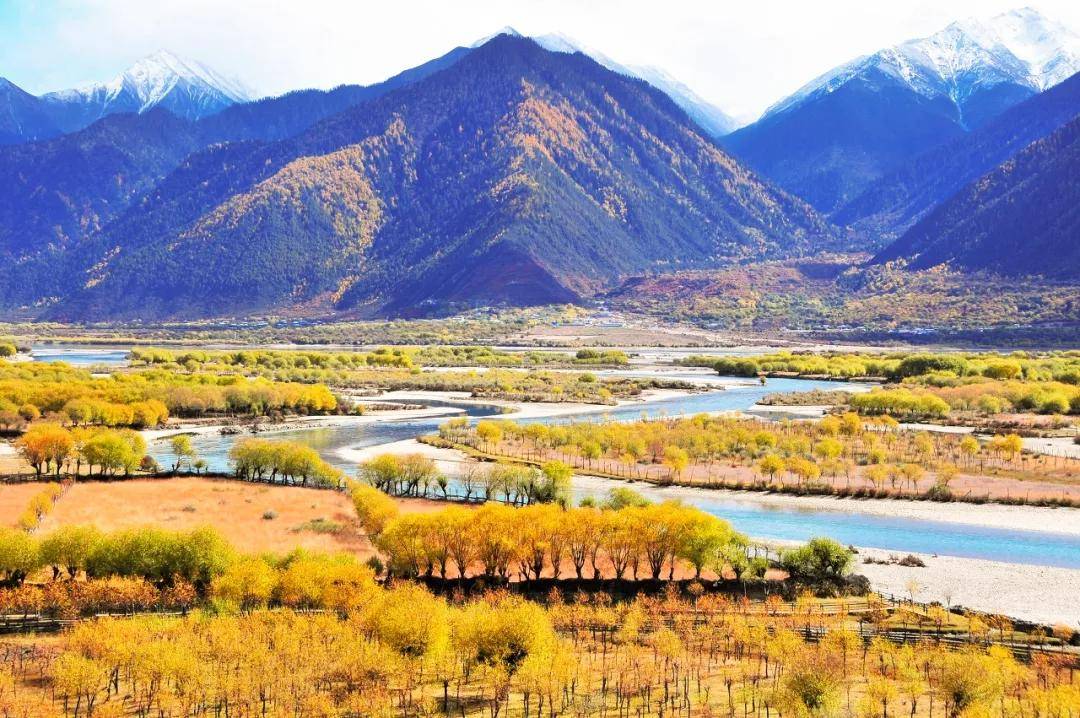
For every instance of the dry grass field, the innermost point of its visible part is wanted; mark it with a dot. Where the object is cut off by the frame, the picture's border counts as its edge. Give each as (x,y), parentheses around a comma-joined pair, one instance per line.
(14,498)
(240,511)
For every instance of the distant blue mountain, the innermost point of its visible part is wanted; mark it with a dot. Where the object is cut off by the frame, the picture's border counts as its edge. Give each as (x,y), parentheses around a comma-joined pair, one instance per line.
(890,205)
(60,191)
(831,139)
(23,117)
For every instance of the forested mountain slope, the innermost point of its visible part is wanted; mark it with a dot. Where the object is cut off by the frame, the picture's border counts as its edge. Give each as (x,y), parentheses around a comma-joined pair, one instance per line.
(58,192)
(23,117)
(1023,218)
(515,175)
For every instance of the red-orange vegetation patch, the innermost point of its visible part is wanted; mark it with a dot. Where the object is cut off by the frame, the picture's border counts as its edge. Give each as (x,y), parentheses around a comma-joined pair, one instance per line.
(255,518)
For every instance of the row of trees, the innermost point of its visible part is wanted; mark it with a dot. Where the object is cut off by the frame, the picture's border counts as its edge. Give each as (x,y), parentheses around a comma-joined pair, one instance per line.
(64,394)
(55,449)
(159,556)
(935,384)
(87,412)
(140,414)
(199,564)
(79,599)
(256,360)
(282,461)
(417,476)
(900,403)
(1060,366)
(995,397)
(528,543)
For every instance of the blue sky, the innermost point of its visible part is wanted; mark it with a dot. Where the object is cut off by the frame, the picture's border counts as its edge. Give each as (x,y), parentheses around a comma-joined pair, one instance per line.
(741,55)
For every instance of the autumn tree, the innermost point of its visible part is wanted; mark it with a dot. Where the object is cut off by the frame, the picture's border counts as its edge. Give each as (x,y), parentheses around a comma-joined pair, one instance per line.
(68,548)
(374,508)
(183,451)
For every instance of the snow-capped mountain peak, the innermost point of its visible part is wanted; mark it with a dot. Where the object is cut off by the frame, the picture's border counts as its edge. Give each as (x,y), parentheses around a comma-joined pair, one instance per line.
(1048,48)
(184,87)
(1021,47)
(557,42)
(153,77)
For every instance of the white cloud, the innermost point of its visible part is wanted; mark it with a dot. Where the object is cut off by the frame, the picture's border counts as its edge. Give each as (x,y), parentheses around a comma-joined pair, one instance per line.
(742,55)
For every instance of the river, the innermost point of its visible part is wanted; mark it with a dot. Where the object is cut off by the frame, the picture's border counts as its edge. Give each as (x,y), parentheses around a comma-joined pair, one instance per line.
(330,440)
(757,516)
(753,515)
(81,355)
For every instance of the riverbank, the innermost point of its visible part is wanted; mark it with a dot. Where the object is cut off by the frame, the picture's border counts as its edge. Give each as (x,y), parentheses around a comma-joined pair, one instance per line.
(300,422)
(448,461)
(516,410)
(1042,594)
(1063,521)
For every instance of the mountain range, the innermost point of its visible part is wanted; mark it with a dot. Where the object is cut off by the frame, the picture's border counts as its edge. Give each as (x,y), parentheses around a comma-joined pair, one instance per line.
(186,88)
(191,90)
(61,191)
(528,171)
(842,131)
(513,175)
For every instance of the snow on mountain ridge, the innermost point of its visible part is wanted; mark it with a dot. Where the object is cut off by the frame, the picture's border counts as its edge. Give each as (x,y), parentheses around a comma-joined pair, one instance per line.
(505,30)
(708,116)
(1048,48)
(185,87)
(1021,46)
(155,76)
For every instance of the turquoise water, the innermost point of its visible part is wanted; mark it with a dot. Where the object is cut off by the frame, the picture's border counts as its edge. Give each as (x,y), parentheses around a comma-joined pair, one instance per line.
(81,355)
(849,525)
(328,441)
(214,448)
(753,517)
(736,398)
